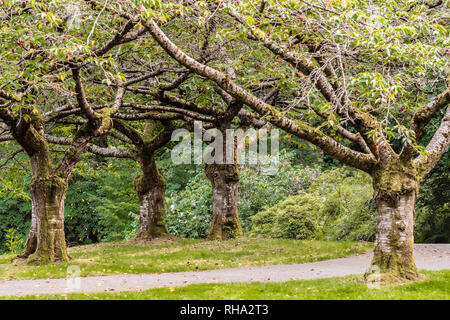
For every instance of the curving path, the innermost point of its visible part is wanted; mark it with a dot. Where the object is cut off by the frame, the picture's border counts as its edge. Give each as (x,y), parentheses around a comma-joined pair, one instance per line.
(428,257)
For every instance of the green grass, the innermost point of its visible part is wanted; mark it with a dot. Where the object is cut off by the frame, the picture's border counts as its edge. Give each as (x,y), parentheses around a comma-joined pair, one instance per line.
(435,286)
(183,255)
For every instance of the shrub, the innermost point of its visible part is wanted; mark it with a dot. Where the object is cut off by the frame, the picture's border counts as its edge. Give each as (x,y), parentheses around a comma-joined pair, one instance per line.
(288,219)
(337,206)
(14,242)
(433,226)
(350,209)
(257,191)
(432,221)
(81,223)
(115,202)
(102,205)
(15,213)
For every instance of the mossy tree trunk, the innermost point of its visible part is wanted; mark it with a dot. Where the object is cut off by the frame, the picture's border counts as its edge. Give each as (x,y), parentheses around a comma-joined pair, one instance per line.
(225,182)
(150,187)
(47,196)
(46,240)
(395,183)
(395,196)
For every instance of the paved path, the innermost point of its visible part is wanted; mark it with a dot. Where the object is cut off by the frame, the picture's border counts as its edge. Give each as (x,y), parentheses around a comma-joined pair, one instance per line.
(428,256)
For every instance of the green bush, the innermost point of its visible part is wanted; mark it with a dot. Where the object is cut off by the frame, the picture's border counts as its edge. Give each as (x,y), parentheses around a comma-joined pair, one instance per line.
(15,213)
(81,223)
(350,210)
(336,206)
(433,226)
(102,205)
(288,219)
(432,221)
(115,202)
(257,191)
(14,242)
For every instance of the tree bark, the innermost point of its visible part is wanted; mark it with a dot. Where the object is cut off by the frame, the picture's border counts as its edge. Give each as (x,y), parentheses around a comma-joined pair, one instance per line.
(396,187)
(150,187)
(46,239)
(225,221)
(31,244)
(47,196)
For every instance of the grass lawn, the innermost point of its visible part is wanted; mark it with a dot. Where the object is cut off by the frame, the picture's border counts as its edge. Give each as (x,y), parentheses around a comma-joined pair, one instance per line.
(435,285)
(184,255)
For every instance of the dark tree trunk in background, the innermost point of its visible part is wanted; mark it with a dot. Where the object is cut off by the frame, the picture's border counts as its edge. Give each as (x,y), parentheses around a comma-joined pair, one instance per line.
(150,187)
(225,182)
(99,160)
(396,188)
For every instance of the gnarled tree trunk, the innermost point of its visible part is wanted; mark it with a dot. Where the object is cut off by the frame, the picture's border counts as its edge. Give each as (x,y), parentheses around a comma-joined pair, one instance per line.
(46,239)
(150,187)
(395,189)
(47,196)
(225,182)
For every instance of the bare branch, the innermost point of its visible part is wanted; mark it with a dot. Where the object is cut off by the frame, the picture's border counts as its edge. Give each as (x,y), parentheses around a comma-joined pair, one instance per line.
(105,152)
(81,96)
(11,157)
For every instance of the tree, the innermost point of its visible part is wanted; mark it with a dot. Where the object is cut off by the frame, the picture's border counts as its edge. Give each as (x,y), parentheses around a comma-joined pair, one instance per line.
(150,185)
(179,94)
(363,71)
(24,114)
(53,51)
(175,113)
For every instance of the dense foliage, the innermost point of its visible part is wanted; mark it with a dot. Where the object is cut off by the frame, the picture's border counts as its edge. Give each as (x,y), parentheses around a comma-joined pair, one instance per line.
(189,210)
(338,205)
(433,208)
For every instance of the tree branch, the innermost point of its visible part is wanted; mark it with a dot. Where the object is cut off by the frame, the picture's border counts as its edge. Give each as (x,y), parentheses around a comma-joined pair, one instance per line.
(424,115)
(105,152)
(302,130)
(81,96)
(436,148)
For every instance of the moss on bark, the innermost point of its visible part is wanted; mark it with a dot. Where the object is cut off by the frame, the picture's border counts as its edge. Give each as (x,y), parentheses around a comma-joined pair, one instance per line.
(150,187)
(225,222)
(396,186)
(48,196)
